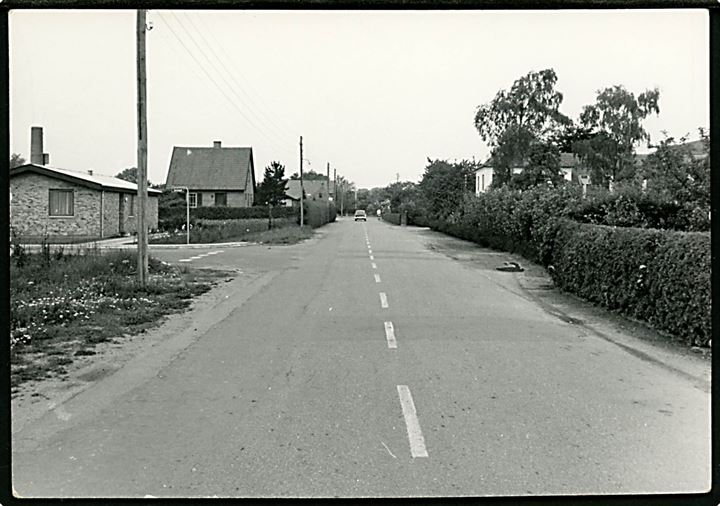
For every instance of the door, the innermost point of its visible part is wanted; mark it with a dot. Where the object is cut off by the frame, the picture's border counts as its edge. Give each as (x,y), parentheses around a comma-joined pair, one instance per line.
(121,214)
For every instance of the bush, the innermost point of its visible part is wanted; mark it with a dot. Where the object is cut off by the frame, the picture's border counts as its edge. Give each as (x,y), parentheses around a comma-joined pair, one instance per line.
(171,219)
(393,218)
(659,276)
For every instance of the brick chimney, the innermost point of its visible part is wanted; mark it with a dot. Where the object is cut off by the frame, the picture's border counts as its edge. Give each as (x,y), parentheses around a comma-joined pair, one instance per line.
(36,146)
(90,171)
(217,144)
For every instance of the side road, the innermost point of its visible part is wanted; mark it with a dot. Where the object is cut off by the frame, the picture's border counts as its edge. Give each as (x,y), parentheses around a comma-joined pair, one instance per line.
(535,284)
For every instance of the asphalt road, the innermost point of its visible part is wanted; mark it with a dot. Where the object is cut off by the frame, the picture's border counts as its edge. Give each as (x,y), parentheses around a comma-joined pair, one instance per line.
(311,387)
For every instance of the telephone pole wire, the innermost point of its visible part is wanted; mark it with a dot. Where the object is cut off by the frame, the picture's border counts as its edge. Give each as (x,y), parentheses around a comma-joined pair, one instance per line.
(142,228)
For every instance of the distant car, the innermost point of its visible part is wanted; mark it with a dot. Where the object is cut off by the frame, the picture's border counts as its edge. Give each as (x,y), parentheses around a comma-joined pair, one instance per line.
(360,215)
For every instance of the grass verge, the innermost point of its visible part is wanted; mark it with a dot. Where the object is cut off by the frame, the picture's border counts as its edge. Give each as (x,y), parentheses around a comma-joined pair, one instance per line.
(291,234)
(61,306)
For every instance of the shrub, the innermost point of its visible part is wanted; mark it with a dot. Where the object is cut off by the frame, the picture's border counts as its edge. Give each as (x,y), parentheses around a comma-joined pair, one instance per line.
(393,218)
(174,218)
(659,276)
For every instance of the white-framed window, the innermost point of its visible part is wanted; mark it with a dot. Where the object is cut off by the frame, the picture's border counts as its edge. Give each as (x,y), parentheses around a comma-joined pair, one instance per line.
(61,203)
(193,199)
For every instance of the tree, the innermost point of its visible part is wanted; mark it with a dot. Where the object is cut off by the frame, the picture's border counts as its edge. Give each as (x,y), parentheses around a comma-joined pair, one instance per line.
(615,122)
(272,188)
(515,119)
(444,184)
(16,160)
(543,168)
(129,174)
(674,172)
(309,175)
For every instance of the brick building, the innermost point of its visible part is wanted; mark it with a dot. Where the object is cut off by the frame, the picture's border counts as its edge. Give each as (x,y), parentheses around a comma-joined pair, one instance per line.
(59,205)
(215,176)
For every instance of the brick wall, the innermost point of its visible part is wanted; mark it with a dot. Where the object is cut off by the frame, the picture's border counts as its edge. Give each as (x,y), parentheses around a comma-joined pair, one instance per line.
(31,219)
(151,213)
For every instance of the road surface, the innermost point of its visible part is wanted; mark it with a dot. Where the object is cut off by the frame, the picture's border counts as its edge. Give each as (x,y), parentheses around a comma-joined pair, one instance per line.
(368,364)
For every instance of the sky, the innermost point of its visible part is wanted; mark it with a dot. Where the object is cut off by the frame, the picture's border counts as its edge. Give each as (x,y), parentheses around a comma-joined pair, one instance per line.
(372,93)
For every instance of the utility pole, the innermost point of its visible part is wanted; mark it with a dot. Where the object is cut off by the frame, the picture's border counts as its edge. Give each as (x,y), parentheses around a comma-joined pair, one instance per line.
(302,188)
(142,150)
(335,184)
(328,190)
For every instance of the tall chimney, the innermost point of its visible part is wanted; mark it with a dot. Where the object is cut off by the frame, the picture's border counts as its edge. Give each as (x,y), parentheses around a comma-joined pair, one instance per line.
(217,144)
(36,145)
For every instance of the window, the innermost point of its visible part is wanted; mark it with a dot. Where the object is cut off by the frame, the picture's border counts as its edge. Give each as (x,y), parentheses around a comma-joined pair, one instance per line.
(131,205)
(193,199)
(62,203)
(221,199)
(483,182)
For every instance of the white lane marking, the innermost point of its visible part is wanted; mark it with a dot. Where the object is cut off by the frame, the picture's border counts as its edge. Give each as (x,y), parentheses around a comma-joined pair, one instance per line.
(372,257)
(390,335)
(417,442)
(185,260)
(370,251)
(377,278)
(383,300)
(374,266)
(215,252)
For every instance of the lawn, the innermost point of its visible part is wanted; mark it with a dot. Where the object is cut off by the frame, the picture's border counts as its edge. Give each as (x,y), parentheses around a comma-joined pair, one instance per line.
(249,230)
(62,305)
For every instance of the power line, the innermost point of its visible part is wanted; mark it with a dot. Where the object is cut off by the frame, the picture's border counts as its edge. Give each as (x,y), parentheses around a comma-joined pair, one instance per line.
(266,117)
(230,87)
(219,88)
(287,126)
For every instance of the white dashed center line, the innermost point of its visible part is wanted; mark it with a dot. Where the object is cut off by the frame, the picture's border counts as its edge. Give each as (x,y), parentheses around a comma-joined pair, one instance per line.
(198,257)
(377,278)
(390,335)
(417,442)
(372,257)
(374,266)
(383,300)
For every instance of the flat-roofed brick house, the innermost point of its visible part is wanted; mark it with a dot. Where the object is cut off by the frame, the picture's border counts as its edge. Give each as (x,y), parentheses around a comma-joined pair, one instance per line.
(60,205)
(214,176)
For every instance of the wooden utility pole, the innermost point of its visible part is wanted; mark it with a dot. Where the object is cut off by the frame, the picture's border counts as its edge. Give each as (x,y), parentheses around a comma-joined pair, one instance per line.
(142,151)
(302,188)
(328,190)
(335,184)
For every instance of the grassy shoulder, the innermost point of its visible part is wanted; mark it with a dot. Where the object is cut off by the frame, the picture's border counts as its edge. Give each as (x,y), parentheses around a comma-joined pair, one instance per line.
(290,234)
(63,305)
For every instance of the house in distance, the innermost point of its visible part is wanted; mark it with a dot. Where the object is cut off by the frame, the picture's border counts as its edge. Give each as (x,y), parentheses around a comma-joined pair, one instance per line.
(214,176)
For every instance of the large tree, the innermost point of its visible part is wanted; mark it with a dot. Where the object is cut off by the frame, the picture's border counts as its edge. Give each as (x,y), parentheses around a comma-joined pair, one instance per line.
(543,168)
(129,174)
(615,123)
(444,184)
(677,172)
(516,119)
(16,160)
(272,188)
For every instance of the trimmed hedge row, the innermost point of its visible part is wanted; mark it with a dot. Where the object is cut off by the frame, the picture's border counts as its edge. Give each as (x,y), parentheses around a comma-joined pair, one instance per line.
(599,263)
(174,218)
(659,276)
(393,218)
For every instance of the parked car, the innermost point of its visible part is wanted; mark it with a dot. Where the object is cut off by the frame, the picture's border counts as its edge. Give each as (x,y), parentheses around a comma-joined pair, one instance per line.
(360,215)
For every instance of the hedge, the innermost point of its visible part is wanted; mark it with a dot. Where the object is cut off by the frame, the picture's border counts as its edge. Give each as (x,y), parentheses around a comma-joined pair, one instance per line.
(174,218)
(658,276)
(393,218)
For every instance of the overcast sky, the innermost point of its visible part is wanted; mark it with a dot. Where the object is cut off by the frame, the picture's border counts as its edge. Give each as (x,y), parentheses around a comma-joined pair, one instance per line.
(372,93)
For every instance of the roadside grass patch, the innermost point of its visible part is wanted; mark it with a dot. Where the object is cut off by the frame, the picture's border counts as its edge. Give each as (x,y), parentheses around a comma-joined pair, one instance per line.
(283,232)
(61,306)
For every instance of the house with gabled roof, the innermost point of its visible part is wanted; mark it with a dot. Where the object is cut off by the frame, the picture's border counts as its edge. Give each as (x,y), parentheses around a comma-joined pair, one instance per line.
(214,176)
(63,206)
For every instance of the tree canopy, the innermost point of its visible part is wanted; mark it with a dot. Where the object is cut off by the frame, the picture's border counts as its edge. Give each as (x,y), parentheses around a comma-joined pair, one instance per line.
(309,175)
(444,185)
(517,119)
(16,160)
(614,123)
(272,188)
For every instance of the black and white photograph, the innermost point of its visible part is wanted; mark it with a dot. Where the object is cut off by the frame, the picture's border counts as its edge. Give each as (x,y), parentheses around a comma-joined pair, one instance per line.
(337,253)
